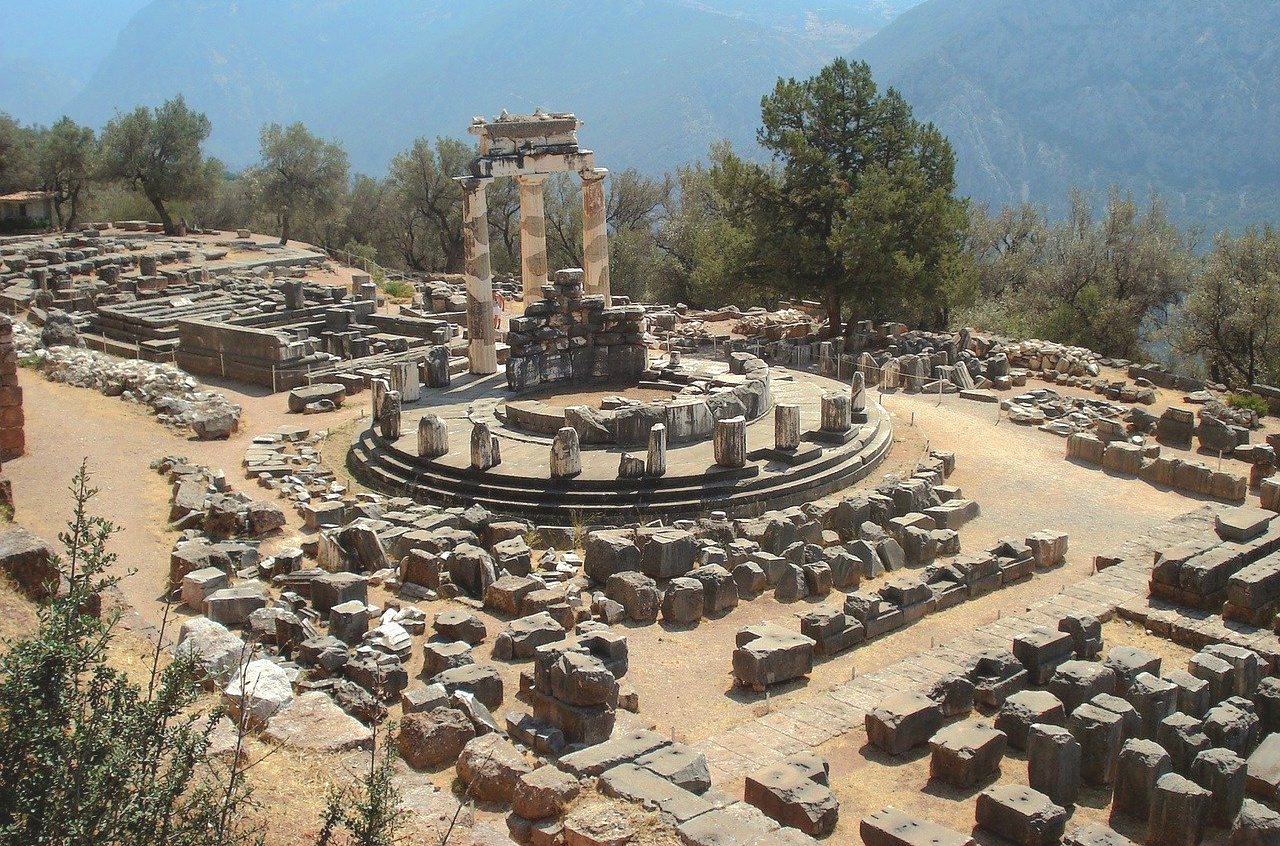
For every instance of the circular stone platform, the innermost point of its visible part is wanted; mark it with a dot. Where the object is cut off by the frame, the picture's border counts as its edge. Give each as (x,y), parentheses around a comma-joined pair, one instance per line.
(522,484)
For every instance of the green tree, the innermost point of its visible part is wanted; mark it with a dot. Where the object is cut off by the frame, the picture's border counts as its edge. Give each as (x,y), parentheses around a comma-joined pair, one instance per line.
(17,167)
(300,171)
(65,160)
(1232,315)
(845,155)
(428,216)
(90,757)
(157,152)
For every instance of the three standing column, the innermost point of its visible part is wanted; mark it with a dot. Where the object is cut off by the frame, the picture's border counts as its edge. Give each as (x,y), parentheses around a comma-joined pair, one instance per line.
(482,350)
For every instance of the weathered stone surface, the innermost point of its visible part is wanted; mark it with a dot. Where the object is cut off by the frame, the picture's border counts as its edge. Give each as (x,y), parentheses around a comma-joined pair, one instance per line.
(258,690)
(622,748)
(1140,765)
(796,794)
(902,721)
(481,680)
(679,764)
(891,827)
(429,740)
(1256,825)
(966,754)
(1222,773)
(682,601)
(216,651)
(1053,763)
(1179,810)
(456,624)
(491,768)
(522,637)
(544,793)
(637,593)
(768,655)
(314,722)
(1021,814)
(1024,709)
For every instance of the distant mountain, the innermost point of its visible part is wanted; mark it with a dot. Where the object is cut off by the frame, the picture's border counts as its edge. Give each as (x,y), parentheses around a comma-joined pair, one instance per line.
(1041,95)
(656,81)
(50,49)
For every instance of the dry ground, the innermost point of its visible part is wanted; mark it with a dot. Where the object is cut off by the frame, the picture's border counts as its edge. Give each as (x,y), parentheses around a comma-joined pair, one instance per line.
(1018,476)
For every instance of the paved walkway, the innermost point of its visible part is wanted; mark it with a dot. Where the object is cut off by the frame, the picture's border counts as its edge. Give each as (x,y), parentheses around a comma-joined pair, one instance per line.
(765,740)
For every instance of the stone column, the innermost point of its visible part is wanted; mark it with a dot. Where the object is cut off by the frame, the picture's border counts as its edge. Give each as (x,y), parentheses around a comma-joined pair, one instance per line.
(786,426)
(390,418)
(433,436)
(566,454)
(835,413)
(404,378)
(438,367)
(481,349)
(533,236)
(858,394)
(595,234)
(730,441)
(377,390)
(293,295)
(483,448)
(657,463)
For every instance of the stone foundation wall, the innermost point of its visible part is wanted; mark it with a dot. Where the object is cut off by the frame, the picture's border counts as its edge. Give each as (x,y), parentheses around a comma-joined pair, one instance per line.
(12,433)
(567,337)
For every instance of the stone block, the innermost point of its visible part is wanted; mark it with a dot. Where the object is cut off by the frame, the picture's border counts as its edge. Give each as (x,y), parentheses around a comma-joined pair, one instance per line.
(1223,774)
(1024,709)
(1140,765)
(902,721)
(966,754)
(1100,733)
(795,794)
(1076,682)
(1053,763)
(770,655)
(891,827)
(1179,810)
(1025,816)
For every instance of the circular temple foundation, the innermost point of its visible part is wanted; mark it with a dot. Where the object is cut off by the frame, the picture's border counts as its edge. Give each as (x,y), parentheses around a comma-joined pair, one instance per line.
(522,484)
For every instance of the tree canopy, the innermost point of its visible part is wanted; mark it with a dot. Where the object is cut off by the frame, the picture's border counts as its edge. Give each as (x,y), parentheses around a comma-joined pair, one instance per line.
(157,152)
(65,158)
(857,208)
(300,172)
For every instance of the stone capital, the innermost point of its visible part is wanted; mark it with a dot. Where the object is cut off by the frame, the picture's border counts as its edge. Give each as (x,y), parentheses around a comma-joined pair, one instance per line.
(595,174)
(472,184)
(532,180)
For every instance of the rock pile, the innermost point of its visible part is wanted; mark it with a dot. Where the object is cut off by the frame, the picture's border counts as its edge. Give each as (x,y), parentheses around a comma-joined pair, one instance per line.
(172,395)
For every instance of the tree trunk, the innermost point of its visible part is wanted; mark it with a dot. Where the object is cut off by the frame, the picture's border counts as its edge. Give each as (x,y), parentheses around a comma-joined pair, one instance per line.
(284,226)
(75,210)
(834,323)
(158,203)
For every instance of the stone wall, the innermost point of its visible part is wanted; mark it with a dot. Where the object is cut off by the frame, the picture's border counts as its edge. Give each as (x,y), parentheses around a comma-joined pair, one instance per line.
(12,433)
(568,337)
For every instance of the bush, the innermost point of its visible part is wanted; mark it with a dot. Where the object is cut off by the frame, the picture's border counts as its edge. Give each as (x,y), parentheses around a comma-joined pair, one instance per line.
(1252,402)
(397,289)
(90,757)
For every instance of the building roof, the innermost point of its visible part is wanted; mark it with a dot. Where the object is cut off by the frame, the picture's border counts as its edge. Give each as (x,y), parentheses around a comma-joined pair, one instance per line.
(25,196)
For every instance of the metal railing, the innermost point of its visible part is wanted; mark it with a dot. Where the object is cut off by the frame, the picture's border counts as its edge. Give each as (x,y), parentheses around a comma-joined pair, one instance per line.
(368,265)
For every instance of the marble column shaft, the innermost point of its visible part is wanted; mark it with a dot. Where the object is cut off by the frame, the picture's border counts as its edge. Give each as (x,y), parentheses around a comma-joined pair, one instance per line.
(533,236)
(481,348)
(595,234)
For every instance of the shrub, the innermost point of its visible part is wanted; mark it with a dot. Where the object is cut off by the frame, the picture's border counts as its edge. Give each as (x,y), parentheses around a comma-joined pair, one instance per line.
(1252,402)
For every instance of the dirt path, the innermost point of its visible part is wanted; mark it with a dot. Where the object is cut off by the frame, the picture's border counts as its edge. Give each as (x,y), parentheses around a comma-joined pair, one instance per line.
(65,425)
